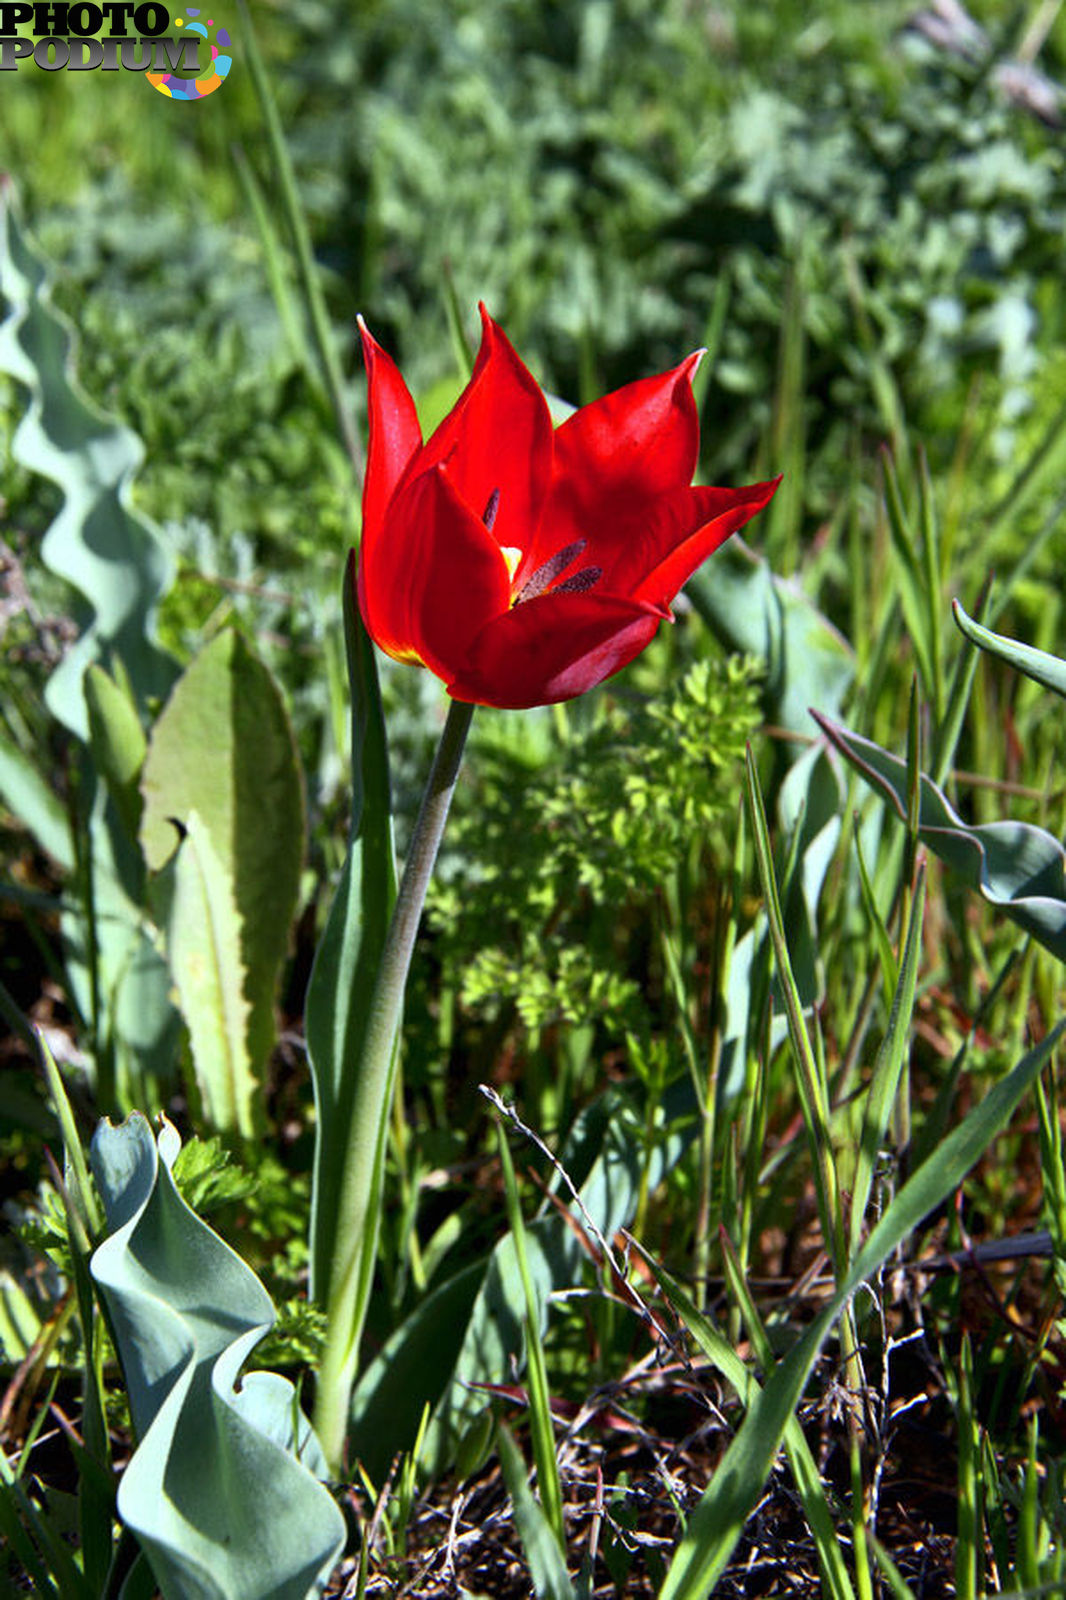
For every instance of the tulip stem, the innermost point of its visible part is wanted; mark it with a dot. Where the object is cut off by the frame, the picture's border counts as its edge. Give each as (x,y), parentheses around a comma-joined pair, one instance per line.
(359,1203)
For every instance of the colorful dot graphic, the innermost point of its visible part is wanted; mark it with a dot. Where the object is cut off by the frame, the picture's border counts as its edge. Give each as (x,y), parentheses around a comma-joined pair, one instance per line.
(212,76)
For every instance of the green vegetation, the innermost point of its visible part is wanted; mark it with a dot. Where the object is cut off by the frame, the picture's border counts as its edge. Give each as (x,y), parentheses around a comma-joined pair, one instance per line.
(769,1037)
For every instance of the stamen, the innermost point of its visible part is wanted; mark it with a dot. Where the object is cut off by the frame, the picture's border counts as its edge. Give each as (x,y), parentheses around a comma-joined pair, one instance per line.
(546,575)
(580,581)
(488,516)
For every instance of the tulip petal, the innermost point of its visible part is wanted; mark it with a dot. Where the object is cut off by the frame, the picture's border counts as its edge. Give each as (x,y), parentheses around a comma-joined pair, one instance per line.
(497,436)
(615,458)
(430,585)
(553,648)
(680,532)
(395,434)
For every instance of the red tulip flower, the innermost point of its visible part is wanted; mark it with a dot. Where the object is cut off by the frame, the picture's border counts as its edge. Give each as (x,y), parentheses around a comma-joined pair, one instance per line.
(521,563)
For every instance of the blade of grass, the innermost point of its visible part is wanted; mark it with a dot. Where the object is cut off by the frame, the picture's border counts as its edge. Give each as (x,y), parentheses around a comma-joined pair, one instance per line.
(931,583)
(717,1522)
(802,1462)
(1027,1558)
(814,1095)
(886,954)
(17,1506)
(908,571)
(884,1081)
(712,334)
(968,1536)
(1052,1168)
(547,1567)
(292,209)
(946,734)
(859,1529)
(898,1587)
(540,1418)
(277,274)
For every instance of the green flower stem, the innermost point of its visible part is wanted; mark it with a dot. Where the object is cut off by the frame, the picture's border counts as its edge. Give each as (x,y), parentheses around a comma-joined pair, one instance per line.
(360,1199)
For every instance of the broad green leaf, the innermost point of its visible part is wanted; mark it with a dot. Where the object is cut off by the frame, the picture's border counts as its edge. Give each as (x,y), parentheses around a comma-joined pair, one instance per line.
(1037,664)
(1017,868)
(223,748)
(222,1487)
(97,543)
(752,610)
(470,1329)
(716,1524)
(203,932)
(346,961)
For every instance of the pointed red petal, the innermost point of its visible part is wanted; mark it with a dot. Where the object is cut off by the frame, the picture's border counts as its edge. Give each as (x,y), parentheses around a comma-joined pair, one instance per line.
(395,434)
(682,532)
(435,578)
(553,648)
(498,435)
(614,458)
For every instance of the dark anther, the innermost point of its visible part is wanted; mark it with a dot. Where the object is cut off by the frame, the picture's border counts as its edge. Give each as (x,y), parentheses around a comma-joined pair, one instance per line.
(546,575)
(488,516)
(580,581)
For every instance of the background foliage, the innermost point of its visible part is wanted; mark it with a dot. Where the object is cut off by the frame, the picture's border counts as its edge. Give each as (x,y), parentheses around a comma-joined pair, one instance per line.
(860,214)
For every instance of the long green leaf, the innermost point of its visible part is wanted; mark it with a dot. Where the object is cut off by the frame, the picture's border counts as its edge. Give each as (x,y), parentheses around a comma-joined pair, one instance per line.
(718,1521)
(346,961)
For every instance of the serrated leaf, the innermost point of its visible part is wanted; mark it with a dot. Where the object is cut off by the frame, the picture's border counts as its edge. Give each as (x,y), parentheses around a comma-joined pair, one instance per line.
(1016,867)
(97,543)
(223,748)
(203,932)
(221,1490)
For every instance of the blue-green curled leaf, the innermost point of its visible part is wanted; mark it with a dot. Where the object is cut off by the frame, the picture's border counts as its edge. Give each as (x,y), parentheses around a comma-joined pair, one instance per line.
(222,1490)
(1036,664)
(1014,866)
